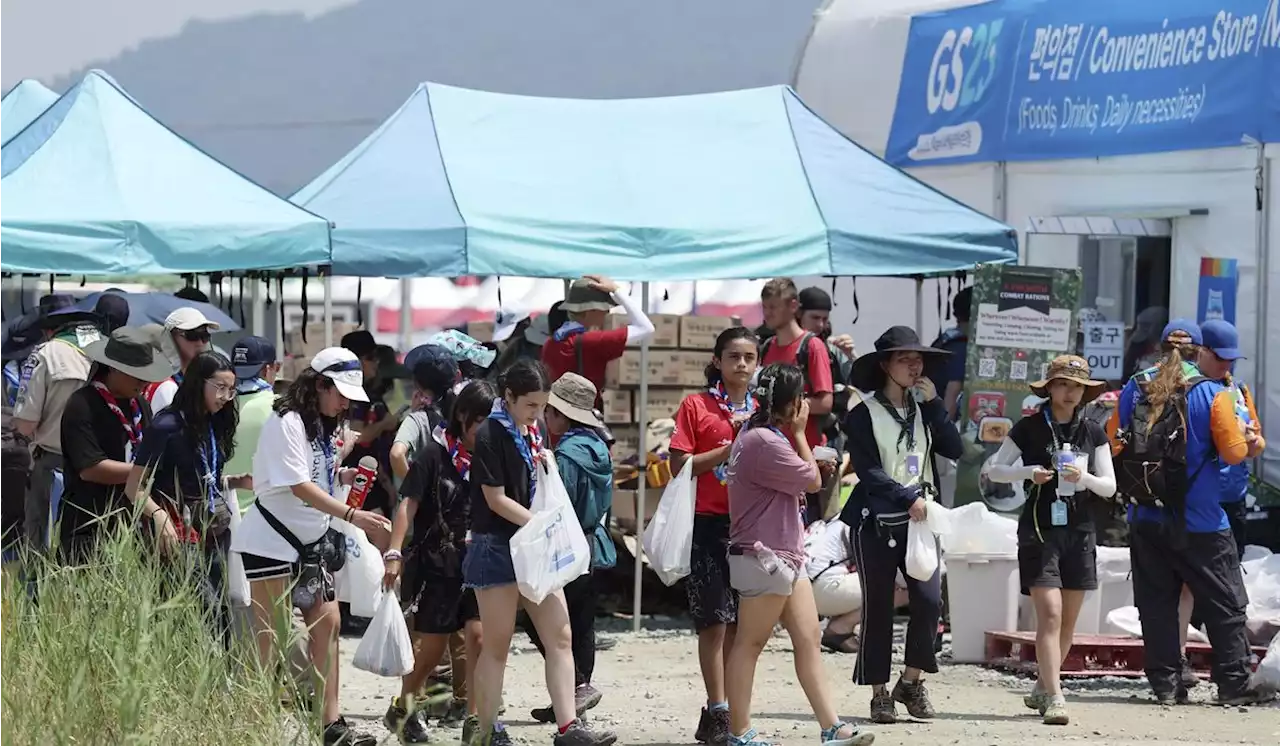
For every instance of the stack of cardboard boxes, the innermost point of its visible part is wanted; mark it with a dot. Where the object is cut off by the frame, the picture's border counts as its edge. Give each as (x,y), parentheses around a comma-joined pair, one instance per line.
(297,352)
(679,353)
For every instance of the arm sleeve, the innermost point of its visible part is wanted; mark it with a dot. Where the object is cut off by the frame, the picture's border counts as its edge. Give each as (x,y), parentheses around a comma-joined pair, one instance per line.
(605,345)
(486,462)
(684,438)
(77,432)
(946,438)
(819,369)
(1002,468)
(1224,428)
(883,493)
(777,466)
(639,326)
(1253,415)
(1102,484)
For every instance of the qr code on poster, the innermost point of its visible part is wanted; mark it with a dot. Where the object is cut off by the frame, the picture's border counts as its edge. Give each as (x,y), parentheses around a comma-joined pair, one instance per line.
(1018,370)
(987,367)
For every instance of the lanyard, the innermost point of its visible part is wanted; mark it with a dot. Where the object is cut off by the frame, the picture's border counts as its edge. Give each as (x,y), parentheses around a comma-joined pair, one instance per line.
(1059,441)
(209,460)
(330,468)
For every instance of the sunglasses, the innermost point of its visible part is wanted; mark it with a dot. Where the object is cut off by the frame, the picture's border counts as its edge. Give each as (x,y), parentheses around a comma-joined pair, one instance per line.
(197,335)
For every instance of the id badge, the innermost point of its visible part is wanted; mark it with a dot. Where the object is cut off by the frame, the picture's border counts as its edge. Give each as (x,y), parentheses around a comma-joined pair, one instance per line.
(1058,513)
(913,464)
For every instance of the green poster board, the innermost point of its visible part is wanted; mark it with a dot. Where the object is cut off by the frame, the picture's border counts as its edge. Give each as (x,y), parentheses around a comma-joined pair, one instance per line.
(1021,318)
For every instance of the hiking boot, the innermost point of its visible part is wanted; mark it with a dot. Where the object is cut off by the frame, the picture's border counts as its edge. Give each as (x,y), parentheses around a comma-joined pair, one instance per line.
(915,697)
(410,727)
(1036,700)
(605,643)
(497,737)
(1245,697)
(585,697)
(1187,675)
(578,734)
(338,733)
(832,737)
(1055,711)
(470,727)
(1179,696)
(713,727)
(882,709)
(455,715)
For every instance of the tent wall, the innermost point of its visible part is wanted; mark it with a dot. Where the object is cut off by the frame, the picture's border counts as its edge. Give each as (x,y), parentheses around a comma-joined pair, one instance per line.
(1271,323)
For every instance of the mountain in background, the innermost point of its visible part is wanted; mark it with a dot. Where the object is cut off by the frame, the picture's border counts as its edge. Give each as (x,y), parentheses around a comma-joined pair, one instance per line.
(282,96)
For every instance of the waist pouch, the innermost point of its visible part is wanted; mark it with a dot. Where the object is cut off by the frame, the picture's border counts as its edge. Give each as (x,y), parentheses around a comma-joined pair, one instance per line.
(316,562)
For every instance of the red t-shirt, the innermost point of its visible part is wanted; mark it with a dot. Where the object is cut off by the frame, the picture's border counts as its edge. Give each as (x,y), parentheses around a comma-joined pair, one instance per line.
(819,377)
(598,349)
(701,426)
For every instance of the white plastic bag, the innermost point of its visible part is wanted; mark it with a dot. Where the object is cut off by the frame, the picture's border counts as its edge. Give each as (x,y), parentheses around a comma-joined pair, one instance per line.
(1266,677)
(549,551)
(359,582)
(237,580)
(386,648)
(668,540)
(922,550)
(938,518)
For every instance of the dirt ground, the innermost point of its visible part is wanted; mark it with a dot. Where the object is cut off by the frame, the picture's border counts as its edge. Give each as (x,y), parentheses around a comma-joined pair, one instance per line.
(653,693)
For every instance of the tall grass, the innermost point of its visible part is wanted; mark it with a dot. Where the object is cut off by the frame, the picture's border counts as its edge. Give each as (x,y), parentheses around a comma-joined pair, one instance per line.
(121,651)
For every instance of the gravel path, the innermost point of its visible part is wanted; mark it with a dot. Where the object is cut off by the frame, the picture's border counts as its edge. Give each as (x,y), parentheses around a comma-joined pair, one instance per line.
(653,694)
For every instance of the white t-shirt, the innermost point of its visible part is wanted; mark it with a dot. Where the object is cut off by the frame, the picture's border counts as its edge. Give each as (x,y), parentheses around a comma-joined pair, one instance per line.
(163,395)
(286,458)
(825,544)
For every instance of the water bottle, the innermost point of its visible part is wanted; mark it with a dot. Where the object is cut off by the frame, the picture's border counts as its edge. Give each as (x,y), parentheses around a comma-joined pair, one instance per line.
(767,558)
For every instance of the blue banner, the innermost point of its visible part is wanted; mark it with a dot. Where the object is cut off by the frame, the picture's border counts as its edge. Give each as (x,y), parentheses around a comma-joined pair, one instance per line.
(1219,284)
(1039,80)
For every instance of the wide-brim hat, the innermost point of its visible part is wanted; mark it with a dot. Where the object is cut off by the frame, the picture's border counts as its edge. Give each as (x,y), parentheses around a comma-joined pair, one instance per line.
(584,297)
(867,375)
(575,397)
(1069,368)
(129,350)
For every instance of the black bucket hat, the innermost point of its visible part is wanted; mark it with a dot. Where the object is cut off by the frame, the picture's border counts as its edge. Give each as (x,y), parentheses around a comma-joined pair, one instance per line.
(867,375)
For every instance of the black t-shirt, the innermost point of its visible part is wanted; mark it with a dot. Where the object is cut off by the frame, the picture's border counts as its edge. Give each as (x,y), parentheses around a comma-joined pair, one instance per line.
(178,464)
(444,508)
(1033,437)
(91,434)
(496,463)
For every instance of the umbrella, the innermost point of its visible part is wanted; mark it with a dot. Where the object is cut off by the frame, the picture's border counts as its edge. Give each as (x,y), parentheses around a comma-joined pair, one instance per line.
(21,336)
(153,308)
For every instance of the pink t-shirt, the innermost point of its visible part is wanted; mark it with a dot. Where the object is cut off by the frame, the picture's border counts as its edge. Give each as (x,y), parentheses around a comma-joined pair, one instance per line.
(767,479)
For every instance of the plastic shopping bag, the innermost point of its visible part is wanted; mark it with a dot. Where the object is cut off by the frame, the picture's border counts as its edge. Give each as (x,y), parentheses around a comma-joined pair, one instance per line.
(1266,677)
(668,540)
(922,550)
(549,551)
(237,580)
(359,582)
(386,648)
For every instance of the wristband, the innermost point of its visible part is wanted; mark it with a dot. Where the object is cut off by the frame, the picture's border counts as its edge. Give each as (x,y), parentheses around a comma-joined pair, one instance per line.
(347,516)
(392,554)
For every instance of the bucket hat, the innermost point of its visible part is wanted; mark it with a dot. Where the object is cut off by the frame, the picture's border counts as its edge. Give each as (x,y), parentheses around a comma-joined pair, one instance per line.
(867,375)
(575,397)
(583,296)
(1069,368)
(129,351)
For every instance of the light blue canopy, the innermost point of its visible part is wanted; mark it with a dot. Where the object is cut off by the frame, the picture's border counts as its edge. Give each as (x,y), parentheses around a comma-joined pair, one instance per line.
(95,185)
(21,105)
(740,184)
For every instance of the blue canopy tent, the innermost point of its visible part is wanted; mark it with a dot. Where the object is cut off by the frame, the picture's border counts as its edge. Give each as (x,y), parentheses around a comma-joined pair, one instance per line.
(21,105)
(95,185)
(718,186)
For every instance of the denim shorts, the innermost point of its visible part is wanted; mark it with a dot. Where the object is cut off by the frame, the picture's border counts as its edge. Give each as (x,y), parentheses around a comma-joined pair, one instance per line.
(487,563)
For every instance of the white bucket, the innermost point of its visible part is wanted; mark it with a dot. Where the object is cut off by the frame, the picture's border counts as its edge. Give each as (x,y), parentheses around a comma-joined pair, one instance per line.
(982,594)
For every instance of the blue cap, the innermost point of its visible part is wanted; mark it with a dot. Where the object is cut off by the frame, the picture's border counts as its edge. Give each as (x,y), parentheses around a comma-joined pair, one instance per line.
(1222,338)
(434,368)
(250,354)
(1186,326)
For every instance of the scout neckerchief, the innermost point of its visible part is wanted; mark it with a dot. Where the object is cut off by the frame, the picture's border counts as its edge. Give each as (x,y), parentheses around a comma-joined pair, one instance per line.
(908,423)
(748,407)
(132,424)
(529,447)
(458,453)
(568,329)
(252,386)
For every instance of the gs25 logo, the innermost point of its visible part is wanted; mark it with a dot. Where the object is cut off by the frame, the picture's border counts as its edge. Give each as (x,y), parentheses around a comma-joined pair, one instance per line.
(964,66)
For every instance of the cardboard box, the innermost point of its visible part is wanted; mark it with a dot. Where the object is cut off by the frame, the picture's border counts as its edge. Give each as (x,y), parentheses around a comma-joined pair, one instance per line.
(480,331)
(666,329)
(291,366)
(626,443)
(664,369)
(691,368)
(625,503)
(617,407)
(700,332)
(662,404)
(294,344)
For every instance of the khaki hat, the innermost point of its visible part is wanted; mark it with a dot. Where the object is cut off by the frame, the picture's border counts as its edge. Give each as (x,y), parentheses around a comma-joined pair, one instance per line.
(584,297)
(129,351)
(575,397)
(1070,368)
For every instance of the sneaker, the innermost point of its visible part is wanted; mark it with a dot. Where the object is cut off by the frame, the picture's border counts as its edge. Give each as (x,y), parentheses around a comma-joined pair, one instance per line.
(470,727)
(410,727)
(704,722)
(831,736)
(338,733)
(1036,700)
(585,697)
(1187,675)
(454,715)
(750,738)
(578,734)
(915,697)
(497,737)
(883,710)
(1055,711)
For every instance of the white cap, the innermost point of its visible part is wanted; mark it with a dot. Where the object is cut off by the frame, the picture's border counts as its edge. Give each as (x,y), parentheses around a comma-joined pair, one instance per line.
(186,319)
(342,367)
(507,321)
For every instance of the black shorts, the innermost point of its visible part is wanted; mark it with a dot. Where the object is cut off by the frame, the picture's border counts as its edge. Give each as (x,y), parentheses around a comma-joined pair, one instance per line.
(444,606)
(257,567)
(712,600)
(1066,559)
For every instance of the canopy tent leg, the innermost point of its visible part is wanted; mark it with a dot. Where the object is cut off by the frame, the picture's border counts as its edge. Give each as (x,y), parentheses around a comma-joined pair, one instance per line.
(406,313)
(257,308)
(920,306)
(328,309)
(644,456)
(1262,228)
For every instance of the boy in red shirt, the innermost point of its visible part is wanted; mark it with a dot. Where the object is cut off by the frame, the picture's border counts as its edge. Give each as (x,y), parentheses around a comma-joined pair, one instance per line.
(581,345)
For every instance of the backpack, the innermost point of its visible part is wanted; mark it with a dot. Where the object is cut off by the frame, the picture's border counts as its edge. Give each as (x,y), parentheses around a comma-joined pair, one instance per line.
(1151,468)
(935,366)
(830,422)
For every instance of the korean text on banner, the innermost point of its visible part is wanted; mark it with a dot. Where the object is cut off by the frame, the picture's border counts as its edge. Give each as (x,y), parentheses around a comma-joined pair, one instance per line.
(1104,350)
(1035,80)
